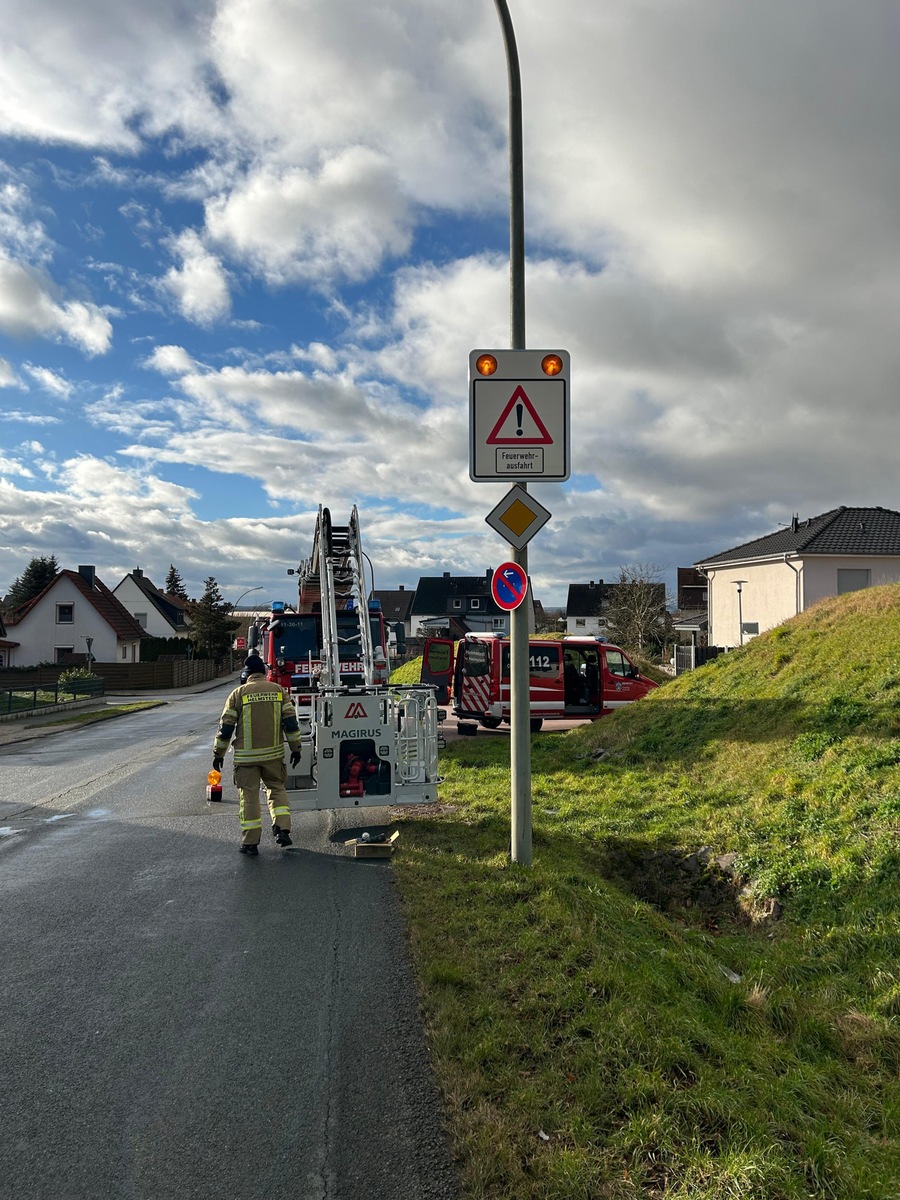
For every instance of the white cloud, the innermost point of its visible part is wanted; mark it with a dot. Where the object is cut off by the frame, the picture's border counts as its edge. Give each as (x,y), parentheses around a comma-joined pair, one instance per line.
(294,224)
(711,204)
(199,285)
(8,376)
(100,75)
(26,418)
(11,466)
(50,381)
(170,360)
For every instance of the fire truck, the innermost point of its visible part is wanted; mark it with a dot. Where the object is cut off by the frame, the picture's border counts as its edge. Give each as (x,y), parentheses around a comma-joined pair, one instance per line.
(364,742)
(576,678)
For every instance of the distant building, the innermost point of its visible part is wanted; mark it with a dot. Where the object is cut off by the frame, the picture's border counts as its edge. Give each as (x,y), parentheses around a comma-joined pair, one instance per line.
(158,613)
(586,607)
(459,604)
(396,608)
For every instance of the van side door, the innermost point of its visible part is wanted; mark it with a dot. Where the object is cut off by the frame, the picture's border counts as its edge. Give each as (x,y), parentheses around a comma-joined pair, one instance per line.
(437,667)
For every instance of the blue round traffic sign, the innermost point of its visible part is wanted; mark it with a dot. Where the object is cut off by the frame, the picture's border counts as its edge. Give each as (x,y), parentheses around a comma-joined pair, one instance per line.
(509,585)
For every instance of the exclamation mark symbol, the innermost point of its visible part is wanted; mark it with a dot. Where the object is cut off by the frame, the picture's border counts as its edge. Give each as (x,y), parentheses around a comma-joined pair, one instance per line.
(520,408)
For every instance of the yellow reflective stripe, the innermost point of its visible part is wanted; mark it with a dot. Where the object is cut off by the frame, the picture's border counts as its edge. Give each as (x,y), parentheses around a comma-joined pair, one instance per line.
(249,755)
(282,812)
(257,824)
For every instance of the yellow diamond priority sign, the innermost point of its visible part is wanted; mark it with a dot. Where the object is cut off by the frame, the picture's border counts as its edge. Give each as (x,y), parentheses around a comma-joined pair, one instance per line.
(518,517)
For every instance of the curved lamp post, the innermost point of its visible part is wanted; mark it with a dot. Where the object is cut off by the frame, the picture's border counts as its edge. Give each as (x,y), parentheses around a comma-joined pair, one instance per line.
(739,584)
(243,594)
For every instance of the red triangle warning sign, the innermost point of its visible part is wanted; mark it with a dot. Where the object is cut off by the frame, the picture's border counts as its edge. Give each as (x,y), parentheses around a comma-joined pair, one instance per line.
(518,424)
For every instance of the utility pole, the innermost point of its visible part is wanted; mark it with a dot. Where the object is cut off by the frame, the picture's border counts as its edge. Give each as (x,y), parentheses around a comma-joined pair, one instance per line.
(520,697)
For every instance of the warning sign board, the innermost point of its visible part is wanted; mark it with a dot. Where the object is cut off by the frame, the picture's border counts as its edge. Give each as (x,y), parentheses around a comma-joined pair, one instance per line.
(519,415)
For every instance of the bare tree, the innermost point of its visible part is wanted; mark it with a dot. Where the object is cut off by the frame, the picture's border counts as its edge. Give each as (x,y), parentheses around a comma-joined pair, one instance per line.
(637,615)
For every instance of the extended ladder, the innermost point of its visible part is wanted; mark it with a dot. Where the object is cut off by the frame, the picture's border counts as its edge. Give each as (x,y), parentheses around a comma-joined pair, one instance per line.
(332,581)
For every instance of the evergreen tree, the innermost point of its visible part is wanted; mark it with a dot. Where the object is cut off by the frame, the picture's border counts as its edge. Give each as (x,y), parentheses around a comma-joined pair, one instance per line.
(212,629)
(175,584)
(32,581)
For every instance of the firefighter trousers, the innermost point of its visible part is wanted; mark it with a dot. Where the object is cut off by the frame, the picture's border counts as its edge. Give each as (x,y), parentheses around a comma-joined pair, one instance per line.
(247,778)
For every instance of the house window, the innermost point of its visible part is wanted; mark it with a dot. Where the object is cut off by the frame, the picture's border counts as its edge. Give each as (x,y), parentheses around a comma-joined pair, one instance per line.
(750,628)
(65,614)
(141,619)
(853,581)
(124,652)
(498,623)
(62,652)
(580,622)
(457,603)
(476,603)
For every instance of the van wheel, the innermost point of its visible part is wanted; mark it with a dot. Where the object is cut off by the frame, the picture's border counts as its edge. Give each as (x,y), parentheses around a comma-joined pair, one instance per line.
(536,723)
(490,722)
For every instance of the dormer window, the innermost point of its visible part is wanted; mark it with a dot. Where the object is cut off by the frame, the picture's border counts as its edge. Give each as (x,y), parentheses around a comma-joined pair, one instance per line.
(457,604)
(476,602)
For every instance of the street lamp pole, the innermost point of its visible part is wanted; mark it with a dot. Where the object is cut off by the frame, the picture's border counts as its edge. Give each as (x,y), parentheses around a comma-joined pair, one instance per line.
(243,594)
(739,584)
(519,690)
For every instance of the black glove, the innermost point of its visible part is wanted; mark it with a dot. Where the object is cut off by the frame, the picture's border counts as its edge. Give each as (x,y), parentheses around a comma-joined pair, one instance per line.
(218,762)
(295,757)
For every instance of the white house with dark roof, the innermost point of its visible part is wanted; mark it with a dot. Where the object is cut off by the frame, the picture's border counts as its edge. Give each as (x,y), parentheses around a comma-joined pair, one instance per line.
(586,607)
(73,607)
(756,586)
(158,613)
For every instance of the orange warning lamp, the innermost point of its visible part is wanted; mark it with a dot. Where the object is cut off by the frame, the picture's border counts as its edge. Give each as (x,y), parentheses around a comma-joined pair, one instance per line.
(486,364)
(214,785)
(551,364)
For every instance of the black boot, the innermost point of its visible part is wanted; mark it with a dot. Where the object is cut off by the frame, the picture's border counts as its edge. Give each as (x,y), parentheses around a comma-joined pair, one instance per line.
(246,848)
(281,836)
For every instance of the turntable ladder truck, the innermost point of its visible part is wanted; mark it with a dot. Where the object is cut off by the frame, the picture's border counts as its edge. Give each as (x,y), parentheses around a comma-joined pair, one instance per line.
(364,745)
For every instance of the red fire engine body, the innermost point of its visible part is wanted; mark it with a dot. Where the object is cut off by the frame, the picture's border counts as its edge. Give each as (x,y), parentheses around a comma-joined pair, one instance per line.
(578,677)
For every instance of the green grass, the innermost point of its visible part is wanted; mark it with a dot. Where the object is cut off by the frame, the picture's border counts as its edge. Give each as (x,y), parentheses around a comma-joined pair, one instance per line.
(593,1044)
(26,700)
(408,672)
(99,714)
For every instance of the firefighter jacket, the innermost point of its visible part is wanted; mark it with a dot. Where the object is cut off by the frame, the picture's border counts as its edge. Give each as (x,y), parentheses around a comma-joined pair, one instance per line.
(259,715)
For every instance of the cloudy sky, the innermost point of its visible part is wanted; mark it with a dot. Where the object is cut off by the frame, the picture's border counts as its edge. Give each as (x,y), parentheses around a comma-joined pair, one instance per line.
(247,245)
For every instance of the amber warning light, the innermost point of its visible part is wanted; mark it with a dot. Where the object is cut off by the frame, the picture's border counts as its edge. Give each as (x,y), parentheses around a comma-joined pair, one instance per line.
(486,364)
(551,364)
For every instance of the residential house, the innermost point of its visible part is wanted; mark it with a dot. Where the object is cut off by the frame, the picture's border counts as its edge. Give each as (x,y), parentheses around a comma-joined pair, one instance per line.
(756,586)
(459,604)
(586,606)
(75,614)
(158,613)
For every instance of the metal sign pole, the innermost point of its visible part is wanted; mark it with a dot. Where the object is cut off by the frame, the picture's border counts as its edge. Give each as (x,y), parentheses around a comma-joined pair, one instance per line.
(520,699)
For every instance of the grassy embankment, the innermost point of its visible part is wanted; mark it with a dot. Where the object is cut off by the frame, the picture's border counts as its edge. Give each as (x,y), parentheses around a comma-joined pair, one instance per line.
(629,1018)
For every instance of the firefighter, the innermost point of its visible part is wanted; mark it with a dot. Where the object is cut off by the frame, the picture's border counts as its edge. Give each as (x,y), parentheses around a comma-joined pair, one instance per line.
(259,716)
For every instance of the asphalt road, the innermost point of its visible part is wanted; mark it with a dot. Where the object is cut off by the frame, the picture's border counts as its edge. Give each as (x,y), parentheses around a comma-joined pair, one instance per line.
(179,1020)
